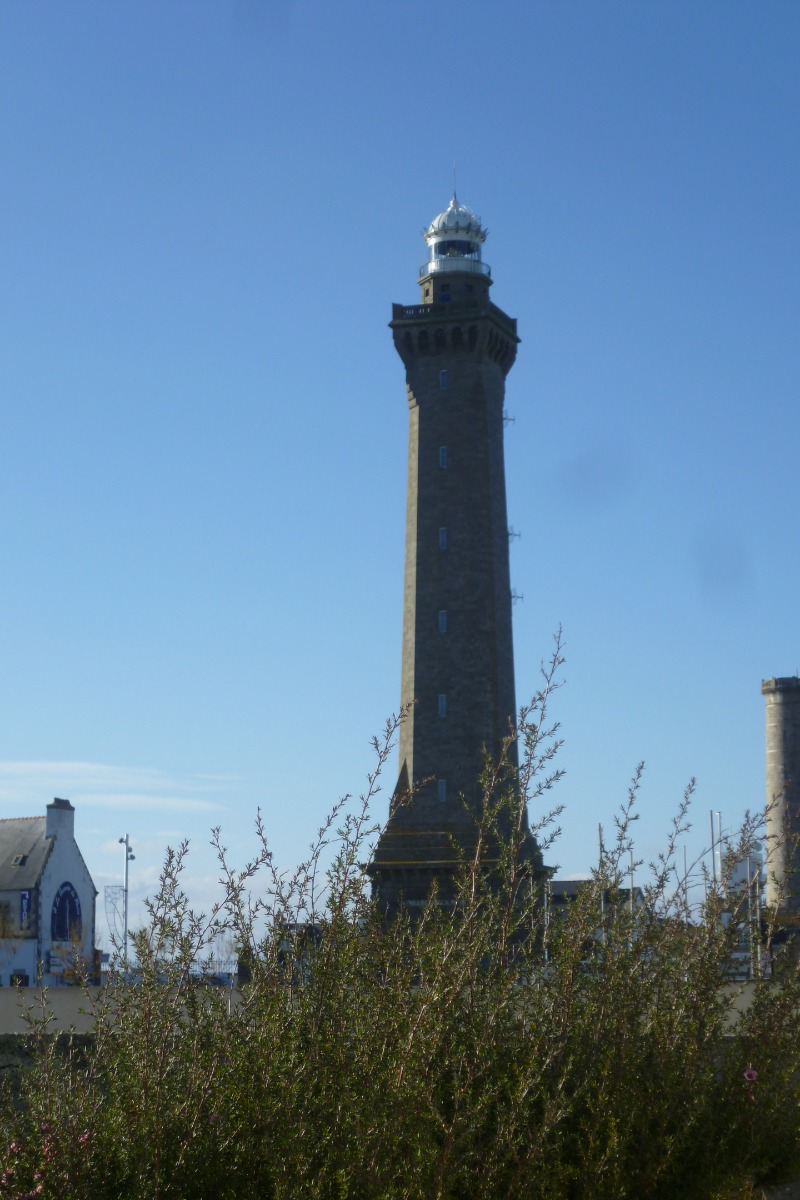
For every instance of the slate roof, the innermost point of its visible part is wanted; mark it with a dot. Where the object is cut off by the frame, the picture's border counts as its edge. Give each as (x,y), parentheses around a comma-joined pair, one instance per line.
(24,837)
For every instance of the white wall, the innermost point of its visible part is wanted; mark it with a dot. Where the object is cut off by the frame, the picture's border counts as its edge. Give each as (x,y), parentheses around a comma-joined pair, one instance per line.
(65,865)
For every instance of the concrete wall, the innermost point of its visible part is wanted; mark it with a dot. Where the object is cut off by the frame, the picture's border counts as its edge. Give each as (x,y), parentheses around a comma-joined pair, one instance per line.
(64,1004)
(782,697)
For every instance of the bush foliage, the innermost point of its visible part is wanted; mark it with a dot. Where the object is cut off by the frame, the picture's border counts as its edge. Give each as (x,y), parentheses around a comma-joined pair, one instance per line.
(490,1051)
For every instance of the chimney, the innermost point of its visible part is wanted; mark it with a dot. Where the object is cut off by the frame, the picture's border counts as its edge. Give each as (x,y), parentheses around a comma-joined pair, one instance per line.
(60,819)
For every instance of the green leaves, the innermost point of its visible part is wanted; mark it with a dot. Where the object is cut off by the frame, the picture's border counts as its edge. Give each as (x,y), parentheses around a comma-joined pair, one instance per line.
(494,1048)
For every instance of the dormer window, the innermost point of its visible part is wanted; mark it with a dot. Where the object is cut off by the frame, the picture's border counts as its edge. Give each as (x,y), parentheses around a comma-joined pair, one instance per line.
(19,860)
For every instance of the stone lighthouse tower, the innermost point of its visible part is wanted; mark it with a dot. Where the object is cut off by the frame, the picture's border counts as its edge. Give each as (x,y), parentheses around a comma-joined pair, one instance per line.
(782,698)
(457,665)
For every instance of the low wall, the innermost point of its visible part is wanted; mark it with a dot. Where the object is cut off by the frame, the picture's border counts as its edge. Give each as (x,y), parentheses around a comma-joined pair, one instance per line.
(66,1006)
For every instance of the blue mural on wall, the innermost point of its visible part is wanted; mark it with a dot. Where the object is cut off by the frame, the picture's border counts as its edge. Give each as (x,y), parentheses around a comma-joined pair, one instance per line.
(24,911)
(65,920)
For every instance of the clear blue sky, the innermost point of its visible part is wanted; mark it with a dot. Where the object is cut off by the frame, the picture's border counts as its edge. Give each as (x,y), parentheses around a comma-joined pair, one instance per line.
(207,210)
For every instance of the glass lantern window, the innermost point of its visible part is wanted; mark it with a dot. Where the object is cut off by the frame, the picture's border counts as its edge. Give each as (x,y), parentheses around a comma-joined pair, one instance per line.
(456,249)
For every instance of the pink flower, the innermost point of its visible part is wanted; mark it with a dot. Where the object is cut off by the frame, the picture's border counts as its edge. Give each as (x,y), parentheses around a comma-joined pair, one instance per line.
(84,1138)
(751,1076)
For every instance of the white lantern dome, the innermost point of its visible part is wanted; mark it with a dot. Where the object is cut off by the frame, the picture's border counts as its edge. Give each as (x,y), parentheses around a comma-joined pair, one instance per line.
(454,240)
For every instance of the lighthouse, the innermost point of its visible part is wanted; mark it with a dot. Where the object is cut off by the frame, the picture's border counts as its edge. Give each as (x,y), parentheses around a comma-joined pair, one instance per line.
(457,677)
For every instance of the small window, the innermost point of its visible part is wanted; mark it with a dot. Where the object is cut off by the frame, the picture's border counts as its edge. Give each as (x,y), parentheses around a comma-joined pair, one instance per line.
(442,620)
(441,787)
(19,860)
(443,380)
(442,705)
(443,538)
(443,456)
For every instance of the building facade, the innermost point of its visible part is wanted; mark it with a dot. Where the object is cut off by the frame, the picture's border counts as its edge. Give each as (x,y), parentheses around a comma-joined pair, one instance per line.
(457,660)
(47,900)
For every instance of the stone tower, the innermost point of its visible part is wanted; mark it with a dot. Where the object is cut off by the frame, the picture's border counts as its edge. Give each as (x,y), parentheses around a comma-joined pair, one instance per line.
(783,791)
(457,665)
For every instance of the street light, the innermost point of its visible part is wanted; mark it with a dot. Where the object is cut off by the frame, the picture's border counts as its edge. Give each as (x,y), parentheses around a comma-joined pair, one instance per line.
(129,857)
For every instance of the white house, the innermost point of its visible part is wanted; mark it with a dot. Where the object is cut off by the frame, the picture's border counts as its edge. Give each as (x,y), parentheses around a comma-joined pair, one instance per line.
(47,899)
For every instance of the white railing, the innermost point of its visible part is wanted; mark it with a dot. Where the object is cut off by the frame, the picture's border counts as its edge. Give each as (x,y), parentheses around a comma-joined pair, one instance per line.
(455,263)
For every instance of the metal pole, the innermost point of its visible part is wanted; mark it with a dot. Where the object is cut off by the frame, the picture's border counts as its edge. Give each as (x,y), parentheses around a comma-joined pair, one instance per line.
(758,913)
(602,889)
(546,919)
(713,853)
(753,935)
(129,857)
(685,889)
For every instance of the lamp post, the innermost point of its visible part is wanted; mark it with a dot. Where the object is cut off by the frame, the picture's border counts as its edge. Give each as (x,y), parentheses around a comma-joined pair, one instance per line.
(129,857)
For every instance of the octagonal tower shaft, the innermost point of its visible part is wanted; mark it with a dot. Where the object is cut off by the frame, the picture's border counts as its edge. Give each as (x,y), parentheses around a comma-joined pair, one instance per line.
(457,661)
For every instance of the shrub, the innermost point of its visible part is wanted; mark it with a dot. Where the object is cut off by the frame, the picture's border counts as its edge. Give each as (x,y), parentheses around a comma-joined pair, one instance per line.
(489,1050)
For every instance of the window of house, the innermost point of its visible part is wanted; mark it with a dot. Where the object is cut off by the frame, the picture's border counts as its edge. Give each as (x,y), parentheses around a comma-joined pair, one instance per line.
(65,917)
(443,380)
(443,456)
(441,787)
(443,538)
(442,705)
(442,620)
